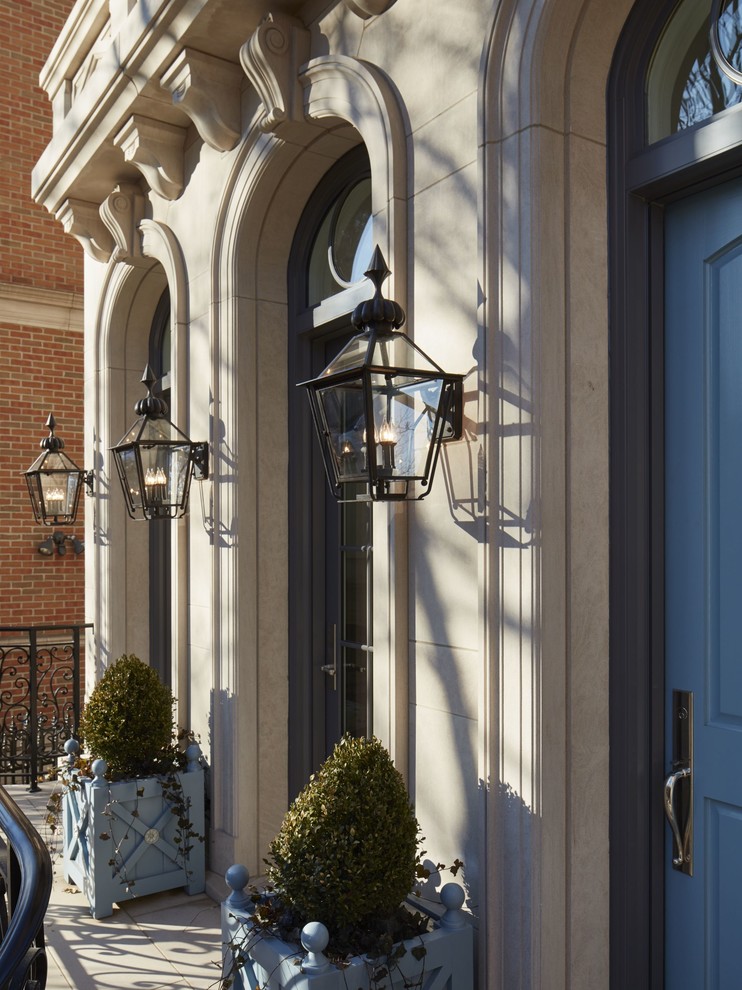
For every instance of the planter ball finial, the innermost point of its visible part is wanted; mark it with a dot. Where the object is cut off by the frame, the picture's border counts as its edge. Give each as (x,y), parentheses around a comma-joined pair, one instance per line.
(452,898)
(314,938)
(237,877)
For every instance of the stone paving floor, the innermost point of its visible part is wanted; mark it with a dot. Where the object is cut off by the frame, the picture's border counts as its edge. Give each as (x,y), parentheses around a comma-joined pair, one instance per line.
(162,940)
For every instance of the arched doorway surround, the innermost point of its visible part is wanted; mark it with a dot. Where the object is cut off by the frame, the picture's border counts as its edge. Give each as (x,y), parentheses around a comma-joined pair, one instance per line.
(546,706)
(346,102)
(117,592)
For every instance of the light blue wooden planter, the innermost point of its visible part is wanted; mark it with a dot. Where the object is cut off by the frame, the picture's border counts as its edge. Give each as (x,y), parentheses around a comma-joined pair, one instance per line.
(448,963)
(119,838)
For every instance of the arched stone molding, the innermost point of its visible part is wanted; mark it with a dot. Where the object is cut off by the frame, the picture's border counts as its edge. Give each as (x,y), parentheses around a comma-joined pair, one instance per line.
(117,583)
(345,102)
(160,244)
(338,86)
(544,248)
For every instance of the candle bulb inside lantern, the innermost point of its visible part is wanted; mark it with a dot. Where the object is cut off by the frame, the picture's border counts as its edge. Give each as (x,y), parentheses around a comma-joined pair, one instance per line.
(387,442)
(155,481)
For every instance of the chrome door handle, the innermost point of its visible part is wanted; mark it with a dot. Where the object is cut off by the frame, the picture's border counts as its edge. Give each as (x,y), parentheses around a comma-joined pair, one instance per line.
(679,860)
(678,792)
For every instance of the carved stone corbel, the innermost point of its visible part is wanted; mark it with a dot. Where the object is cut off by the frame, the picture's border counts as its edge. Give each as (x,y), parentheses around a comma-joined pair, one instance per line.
(208,90)
(83,221)
(271,59)
(156,148)
(122,213)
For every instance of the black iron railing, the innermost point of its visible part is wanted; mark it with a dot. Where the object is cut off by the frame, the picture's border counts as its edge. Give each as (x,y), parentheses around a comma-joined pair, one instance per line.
(40,697)
(25,886)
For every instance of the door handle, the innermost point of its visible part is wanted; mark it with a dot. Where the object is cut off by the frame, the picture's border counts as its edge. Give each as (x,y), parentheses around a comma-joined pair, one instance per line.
(331,668)
(675,776)
(678,790)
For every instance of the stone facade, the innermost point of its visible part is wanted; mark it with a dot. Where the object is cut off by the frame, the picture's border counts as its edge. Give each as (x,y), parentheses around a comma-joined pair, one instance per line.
(188,139)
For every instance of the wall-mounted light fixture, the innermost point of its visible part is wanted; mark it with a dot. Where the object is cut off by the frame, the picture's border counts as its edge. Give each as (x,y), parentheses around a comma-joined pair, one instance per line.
(382,408)
(58,541)
(156,461)
(54,482)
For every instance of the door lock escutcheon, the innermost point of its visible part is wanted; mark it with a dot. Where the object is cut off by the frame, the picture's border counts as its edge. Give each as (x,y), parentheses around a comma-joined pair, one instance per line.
(678,792)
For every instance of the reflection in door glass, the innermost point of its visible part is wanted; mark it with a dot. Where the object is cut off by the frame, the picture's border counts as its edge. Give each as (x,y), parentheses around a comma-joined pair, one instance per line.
(355,650)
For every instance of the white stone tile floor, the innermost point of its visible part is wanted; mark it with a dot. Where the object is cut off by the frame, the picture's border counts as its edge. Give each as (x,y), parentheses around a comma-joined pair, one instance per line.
(162,940)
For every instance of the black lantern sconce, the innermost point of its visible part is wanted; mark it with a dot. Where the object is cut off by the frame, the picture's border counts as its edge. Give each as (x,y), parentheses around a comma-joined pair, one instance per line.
(54,482)
(156,461)
(382,408)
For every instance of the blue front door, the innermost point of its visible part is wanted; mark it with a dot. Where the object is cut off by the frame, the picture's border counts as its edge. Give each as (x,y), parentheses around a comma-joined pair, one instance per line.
(703,586)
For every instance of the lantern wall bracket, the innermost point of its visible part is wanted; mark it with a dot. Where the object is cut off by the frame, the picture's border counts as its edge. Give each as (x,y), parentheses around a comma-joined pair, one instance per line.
(200,461)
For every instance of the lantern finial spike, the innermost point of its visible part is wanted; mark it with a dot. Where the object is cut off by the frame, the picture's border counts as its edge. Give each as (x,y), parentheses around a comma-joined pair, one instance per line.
(51,442)
(148,378)
(377,271)
(152,405)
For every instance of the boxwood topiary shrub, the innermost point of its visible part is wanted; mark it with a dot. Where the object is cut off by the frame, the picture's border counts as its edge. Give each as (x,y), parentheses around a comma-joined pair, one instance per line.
(347,849)
(128,720)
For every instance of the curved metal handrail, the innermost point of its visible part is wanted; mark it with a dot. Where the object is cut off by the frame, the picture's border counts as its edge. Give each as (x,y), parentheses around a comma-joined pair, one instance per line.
(29,888)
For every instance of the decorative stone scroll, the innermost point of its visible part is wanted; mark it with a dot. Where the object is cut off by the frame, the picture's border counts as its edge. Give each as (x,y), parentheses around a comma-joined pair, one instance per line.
(156,149)
(84,222)
(122,213)
(208,90)
(271,59)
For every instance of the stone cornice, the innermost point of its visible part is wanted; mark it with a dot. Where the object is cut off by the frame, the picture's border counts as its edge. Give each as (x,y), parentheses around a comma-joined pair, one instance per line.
(26,305)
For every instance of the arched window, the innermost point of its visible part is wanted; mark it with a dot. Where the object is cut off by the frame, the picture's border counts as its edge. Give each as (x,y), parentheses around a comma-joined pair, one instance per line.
(685,85)
(331,552)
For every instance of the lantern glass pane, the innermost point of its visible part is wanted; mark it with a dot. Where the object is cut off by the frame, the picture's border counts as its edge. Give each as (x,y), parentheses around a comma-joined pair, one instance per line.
(397,351)
(353,355)
(405,416)
(129,467)
(59,492)
(343,411)
(165,472)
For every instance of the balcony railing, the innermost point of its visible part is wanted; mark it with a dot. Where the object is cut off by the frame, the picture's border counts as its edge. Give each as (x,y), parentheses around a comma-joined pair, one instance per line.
(40,697)
(25,887)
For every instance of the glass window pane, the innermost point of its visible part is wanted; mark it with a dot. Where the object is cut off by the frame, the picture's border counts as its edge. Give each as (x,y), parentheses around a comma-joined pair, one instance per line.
(355,695)
(685,86)
(342,247)
(354,626)
(352,230)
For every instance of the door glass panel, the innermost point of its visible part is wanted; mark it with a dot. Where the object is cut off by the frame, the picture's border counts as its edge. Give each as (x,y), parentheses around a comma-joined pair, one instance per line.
(354,552)
(355,698)
(684,85)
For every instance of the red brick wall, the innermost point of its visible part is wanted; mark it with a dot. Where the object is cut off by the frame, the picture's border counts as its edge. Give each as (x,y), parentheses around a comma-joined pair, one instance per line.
(41,370)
